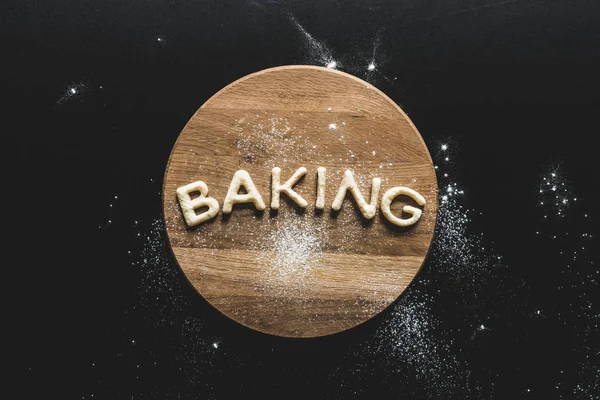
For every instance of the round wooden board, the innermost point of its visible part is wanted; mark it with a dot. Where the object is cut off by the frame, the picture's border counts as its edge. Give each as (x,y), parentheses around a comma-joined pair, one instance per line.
(300,273)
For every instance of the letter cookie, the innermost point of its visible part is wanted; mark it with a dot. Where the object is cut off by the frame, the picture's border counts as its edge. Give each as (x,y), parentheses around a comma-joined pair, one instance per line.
(390,195)
(189,205)
(368,210)
(277,188)
(320,203)
(242,179)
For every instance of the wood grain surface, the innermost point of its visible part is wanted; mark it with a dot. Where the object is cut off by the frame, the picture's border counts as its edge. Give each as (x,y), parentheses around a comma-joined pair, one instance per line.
(294,272)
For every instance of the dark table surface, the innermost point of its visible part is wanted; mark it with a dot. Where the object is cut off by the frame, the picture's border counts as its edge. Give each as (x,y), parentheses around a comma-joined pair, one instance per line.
(506,96)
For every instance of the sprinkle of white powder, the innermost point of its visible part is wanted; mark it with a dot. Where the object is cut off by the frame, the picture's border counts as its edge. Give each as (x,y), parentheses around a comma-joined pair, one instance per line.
(292,250)
(266,134)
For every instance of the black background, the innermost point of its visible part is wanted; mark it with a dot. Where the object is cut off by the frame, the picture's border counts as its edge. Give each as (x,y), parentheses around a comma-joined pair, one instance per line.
(99,309)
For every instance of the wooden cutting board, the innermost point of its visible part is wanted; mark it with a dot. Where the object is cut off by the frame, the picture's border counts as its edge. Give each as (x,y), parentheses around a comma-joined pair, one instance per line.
(295,272)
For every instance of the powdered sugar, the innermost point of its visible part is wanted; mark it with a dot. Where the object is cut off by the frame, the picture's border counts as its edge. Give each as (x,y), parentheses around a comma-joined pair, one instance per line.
(291,252)
(265,134)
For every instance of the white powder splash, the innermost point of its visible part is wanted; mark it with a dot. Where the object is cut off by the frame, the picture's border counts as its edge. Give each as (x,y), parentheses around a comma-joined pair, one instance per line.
(565,229)
(555,194)
(165,328)
(73,92)
(267,134)
(366,64)
(318,52)
(157,274)
(460,253)
(373,70)
(464,254)
(413,336)
(291,252)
